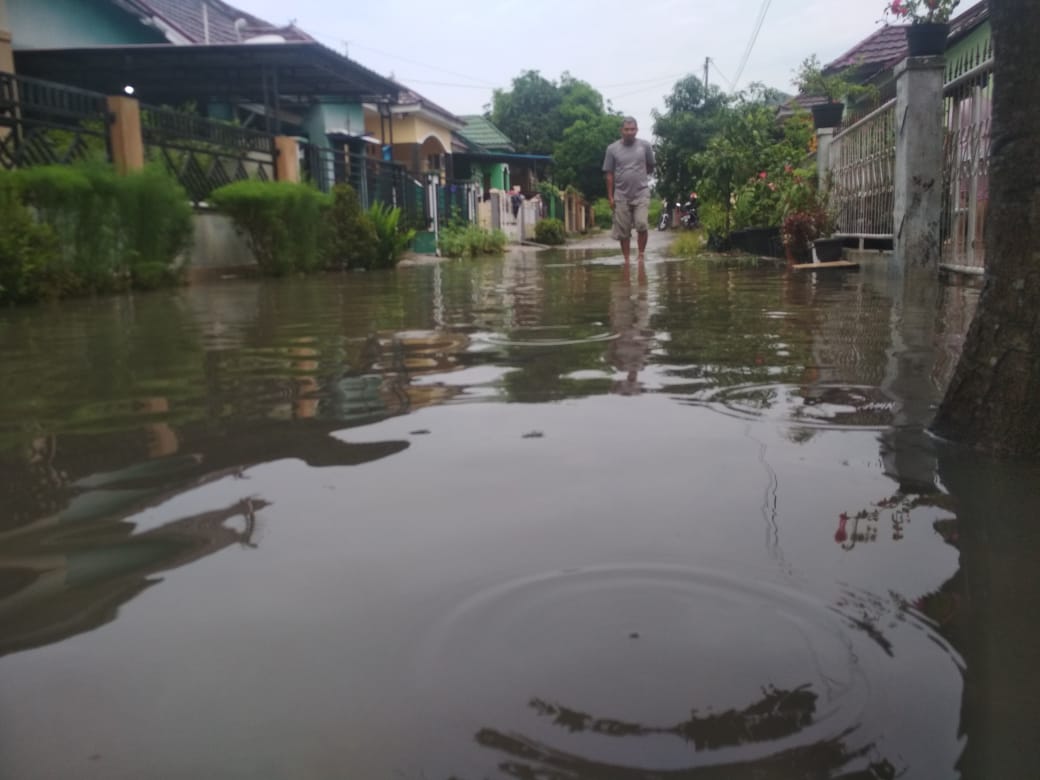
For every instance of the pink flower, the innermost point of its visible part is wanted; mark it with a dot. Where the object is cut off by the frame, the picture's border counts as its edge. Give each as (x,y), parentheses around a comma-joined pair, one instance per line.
(762,175)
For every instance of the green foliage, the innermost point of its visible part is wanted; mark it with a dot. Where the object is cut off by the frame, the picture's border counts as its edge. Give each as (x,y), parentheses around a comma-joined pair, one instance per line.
(282,222)
(391,240)
(467,240)
(567,120)
(354,242)
(812,79)
(550,231)
(113,232)
(578,155)
(28,250)
(713,221)
(654,211)
(688,243)
(602,214)
(691,118)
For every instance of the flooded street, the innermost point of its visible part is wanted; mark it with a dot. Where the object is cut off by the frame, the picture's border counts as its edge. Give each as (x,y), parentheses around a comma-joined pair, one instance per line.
(522,518)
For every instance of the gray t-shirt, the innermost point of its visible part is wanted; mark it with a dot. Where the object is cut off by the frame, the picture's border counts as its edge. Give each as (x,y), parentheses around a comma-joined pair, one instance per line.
(631,166)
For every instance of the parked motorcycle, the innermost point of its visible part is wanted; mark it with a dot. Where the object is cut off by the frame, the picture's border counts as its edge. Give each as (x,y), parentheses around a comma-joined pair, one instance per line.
(666,218)
(688,218)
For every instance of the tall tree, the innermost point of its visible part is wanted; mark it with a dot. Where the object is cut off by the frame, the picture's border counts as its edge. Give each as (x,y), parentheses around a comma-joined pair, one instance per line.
(579,154)
(993,401)
(529,112)
(692,116)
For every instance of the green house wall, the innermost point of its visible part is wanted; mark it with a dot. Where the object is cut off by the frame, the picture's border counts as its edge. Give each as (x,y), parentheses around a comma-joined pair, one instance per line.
(969,42)
(55,24)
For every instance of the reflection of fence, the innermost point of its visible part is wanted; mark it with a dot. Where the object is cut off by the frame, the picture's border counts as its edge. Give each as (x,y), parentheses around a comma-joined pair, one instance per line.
(862,166)
(203,154)
(375,181)
(45,124)
(967,105)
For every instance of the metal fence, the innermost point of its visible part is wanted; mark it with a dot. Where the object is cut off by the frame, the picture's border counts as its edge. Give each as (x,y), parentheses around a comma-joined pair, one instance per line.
(204,154)
(42,123)
(375,181)
(967,107)
(862,165)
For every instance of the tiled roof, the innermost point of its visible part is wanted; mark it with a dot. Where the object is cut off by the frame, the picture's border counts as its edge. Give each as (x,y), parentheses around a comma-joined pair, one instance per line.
(882,49)
(964,23)
(186,18)
(887,46)
(406,96)
(484,134)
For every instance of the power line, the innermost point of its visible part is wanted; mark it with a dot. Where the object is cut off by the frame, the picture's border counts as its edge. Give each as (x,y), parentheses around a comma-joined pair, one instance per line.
(751,43)
(722,75)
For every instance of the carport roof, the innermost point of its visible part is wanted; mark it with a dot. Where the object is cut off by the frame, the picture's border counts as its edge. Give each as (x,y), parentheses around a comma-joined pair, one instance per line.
(161,73)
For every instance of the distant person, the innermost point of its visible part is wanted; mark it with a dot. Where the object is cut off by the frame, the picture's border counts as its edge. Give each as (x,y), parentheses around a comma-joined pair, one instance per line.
(628,164)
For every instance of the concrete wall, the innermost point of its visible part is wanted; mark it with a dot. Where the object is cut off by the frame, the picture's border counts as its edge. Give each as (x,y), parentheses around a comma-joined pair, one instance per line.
(49,24)
(216,247)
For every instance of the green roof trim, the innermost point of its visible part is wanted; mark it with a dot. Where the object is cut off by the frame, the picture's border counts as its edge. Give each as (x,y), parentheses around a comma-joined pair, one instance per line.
(482,133)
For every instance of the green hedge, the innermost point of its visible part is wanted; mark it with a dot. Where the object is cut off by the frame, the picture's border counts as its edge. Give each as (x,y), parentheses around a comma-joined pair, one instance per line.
(466,240)
(82,229)
(550,231)
(284,223)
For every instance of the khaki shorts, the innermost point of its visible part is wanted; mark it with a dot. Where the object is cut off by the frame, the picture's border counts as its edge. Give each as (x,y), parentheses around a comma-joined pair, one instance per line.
(628,215)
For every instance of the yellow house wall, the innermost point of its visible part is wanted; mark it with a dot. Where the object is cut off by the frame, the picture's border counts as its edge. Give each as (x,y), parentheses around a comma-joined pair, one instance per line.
(411,129)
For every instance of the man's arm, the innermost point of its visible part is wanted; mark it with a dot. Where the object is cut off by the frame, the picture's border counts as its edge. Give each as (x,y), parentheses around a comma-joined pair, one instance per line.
(608,169)
(649,158)
(610,188)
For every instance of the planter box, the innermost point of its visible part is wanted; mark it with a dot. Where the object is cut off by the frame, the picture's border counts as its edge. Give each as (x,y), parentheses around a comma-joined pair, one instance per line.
(758,241)
(829,249)
(927,39)
(827,115)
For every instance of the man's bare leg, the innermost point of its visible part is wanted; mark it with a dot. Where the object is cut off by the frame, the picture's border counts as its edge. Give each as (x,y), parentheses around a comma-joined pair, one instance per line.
(641,239)
(626,247)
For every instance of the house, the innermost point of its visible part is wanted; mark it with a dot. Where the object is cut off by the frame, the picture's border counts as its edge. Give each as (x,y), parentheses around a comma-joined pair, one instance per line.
(485,155)
(220,60)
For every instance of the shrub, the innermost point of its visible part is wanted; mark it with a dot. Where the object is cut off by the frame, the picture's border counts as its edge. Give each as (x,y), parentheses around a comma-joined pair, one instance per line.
(354,242)
(108,227)
(602,214)
(29,251)
(470,240)
(550,231)
(654,212)
(283,223)
(687,244)
(391,240)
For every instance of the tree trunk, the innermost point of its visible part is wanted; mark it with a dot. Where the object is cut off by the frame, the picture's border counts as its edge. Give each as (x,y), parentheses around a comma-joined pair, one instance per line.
(993,401)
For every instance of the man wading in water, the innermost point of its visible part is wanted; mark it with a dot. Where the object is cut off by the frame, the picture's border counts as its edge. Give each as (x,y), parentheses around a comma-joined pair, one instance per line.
(628,165)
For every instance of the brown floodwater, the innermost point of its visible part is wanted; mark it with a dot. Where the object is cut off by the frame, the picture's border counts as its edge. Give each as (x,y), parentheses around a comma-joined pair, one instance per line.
(520,518)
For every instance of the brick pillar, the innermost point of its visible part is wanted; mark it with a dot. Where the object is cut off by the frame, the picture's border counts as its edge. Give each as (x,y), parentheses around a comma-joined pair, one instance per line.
(125,134)
(918,171)
(287,159)
(6,53)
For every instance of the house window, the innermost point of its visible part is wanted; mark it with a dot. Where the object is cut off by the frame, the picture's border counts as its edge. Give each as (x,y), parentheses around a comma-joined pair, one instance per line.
(433,162)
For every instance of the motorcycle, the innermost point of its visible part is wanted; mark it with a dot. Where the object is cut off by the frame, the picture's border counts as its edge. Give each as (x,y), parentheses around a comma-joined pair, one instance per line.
(666,218)
(688,218)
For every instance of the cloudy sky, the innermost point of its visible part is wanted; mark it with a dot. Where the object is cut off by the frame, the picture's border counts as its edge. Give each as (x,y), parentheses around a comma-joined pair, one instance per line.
(632,52)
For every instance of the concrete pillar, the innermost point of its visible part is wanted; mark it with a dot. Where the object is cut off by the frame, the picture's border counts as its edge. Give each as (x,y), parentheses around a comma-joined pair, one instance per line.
(125,134)
(287,159)
(918,170)
(824,136)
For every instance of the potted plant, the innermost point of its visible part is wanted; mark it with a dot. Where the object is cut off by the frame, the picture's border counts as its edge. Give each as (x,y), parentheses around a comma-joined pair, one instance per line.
(810,227)
(813,80)
(929,24)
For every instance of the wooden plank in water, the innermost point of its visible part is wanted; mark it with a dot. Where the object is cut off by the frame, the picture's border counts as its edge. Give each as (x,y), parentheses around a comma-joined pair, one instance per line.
(822,266)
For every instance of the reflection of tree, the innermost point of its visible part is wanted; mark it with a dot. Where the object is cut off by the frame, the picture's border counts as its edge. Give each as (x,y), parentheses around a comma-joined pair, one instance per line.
(57,581)
(778,714)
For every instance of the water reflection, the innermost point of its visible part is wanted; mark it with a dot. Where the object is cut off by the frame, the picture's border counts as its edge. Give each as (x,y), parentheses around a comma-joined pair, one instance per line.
(132,432)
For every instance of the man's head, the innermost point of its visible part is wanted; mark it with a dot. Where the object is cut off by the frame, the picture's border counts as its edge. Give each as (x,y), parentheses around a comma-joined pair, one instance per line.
(629,128)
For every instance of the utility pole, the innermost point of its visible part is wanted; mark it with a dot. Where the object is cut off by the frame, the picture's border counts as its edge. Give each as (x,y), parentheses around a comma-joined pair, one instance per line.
(706,61)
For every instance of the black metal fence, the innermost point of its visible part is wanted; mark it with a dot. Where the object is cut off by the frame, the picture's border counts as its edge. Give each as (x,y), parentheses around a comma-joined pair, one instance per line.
(375,181)
(204,154)
(42,123)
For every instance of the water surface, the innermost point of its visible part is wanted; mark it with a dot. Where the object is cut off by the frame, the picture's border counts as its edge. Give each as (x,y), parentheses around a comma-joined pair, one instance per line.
(527,518)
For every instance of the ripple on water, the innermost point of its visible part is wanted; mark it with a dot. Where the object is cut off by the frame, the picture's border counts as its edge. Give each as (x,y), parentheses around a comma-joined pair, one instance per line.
(833,406)
(650,667)
(536,337)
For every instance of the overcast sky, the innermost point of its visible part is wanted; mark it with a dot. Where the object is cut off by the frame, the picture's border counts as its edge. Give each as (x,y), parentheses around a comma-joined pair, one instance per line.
(632,52)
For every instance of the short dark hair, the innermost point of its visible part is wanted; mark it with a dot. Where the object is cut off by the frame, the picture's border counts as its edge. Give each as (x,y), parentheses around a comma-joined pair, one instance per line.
(628,119)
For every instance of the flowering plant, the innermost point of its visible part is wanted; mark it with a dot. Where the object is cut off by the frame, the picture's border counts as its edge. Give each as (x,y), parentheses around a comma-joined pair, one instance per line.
(918,11)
